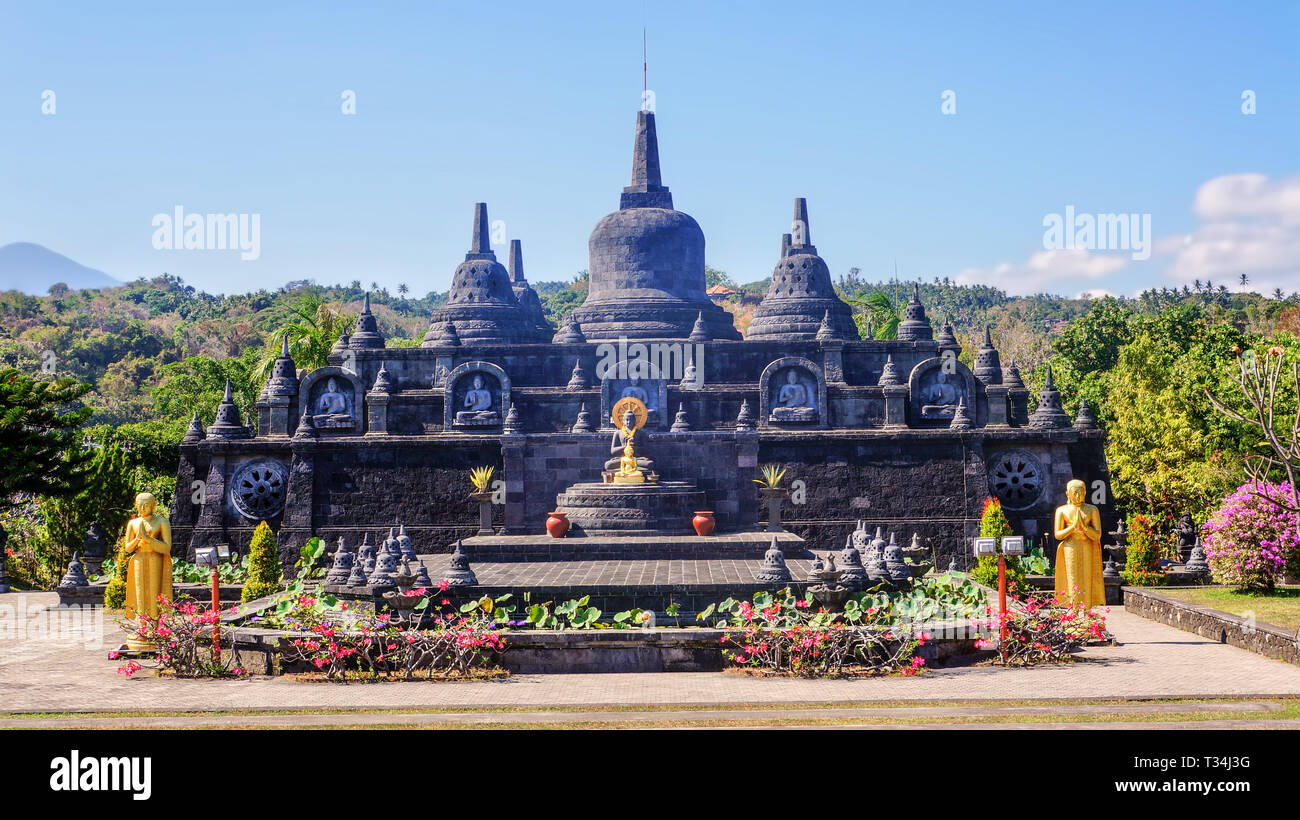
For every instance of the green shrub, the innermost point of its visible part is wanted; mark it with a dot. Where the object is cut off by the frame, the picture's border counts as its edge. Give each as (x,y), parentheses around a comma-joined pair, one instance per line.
(1142,568)
(263,565)
(994,523)
(115,592)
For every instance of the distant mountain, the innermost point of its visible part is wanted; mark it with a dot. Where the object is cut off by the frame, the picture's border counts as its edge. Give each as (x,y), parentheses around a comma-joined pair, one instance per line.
(33,268)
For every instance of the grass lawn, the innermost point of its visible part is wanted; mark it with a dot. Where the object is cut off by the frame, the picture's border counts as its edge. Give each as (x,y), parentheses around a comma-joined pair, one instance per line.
(1281,608)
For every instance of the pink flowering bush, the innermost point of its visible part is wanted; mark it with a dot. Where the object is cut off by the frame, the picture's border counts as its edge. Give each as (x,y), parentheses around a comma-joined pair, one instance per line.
(182,632)
(440,641)
(1041,631)
(784,634)
(1250,538)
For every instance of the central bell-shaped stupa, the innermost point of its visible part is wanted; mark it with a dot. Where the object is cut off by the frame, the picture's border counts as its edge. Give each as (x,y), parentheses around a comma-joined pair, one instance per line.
(647,262)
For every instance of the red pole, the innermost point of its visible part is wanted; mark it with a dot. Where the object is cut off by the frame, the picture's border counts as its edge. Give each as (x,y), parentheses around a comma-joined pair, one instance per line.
(216,611)
(1002,603)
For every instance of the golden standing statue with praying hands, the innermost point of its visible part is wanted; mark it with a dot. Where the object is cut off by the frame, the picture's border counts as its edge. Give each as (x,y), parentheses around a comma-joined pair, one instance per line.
(149,555)
(1078,556)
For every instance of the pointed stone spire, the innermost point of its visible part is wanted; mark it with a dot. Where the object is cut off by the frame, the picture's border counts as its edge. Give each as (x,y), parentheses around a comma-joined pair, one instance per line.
(344,559)
(1084,420)
(513,424)
(383,380)
(578,380)
(947,340)
(422,580)
(516,263)
(915,327)
(444,336)
(889,373)
(76,574)
(482,301)
(988,364)
(342,344)
(366,336)
(647,189)
(459,573)
(583,423)
(680,423)
(529,301)
(801,295)
(700,332)
(773,569)
(800,229)
(1011,376)
(896,568)
(228,423)
(826,333)
(853,573)
(745,419)
(869,329)
(405,545)
(960,418)
(570,333)
(480,244)
(306,427)
(357,575)
(195,431)
(1049,413)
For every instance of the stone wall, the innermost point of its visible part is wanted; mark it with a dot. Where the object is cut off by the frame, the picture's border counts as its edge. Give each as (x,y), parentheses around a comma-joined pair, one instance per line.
(931,484)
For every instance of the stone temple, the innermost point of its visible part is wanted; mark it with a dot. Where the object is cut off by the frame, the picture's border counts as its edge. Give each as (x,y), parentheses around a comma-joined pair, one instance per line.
(896,434)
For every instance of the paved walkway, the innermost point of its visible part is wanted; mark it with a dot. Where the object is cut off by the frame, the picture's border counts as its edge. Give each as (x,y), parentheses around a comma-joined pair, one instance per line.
(70,672)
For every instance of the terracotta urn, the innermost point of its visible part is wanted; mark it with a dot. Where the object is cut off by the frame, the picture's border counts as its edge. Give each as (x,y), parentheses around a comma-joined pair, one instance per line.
(557,524)
(703,522)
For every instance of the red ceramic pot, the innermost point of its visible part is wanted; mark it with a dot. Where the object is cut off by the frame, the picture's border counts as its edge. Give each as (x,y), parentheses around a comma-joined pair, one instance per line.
(703,522)
(557,524)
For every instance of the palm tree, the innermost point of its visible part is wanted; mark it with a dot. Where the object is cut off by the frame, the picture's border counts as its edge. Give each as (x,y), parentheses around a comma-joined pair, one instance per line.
(403,289)
(881,311)
(312,327)
(1278,294)
(1245,280)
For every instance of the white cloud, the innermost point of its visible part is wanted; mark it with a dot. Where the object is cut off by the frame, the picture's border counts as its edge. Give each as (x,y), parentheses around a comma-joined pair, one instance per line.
(1252,226)
(1045,270)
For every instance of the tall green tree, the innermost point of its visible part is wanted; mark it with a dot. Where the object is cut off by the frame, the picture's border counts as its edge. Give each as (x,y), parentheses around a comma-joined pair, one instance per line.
(40,449)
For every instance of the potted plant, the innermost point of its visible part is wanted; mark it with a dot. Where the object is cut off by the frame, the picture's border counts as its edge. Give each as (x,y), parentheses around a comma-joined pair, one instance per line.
(769,486)
(481,478)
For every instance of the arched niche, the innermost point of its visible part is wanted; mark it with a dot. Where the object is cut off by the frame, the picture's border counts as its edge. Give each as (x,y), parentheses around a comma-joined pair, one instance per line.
(934,388)
(332,396)
(476,396)
(792,390)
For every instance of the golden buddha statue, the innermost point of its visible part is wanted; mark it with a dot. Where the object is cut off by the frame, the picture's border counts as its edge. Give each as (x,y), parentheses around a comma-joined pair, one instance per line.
(628,470)
(149,568)
(1077,527)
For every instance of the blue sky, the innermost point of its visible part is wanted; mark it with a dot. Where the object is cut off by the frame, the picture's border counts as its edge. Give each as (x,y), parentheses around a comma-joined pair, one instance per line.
(1110,107)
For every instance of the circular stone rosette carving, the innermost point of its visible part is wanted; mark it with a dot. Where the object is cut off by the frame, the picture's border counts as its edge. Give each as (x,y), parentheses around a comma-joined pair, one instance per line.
(258,489)
(1016,478)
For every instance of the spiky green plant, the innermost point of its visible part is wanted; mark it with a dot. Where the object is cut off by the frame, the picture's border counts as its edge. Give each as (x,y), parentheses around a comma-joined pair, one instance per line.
(772,475)
(481,478)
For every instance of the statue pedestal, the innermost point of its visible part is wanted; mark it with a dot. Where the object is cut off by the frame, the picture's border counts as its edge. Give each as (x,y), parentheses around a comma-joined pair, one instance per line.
(650,508)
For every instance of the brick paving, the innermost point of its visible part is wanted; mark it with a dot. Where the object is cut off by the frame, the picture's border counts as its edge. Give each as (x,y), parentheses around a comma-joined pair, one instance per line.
(68,672)
(662,572)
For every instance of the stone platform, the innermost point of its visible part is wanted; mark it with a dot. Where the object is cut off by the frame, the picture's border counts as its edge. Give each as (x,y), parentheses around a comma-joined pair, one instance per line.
(577,546)
(616,585)
(652,509)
